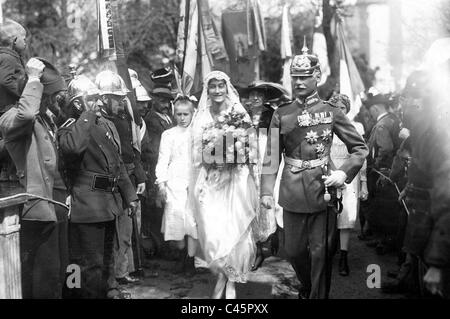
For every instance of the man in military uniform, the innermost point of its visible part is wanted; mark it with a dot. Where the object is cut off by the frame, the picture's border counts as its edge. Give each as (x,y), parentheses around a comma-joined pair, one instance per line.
(304,130)
(99,186)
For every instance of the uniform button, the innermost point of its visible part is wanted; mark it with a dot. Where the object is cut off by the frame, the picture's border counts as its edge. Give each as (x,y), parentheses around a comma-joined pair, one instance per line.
(85,120)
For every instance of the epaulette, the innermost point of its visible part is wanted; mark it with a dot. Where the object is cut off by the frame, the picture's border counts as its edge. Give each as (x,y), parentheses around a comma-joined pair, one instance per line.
(69,122)
(285,103)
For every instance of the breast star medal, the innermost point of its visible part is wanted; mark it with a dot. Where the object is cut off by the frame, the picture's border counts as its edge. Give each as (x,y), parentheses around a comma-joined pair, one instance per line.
(311,137)
(320,149)
(326,135)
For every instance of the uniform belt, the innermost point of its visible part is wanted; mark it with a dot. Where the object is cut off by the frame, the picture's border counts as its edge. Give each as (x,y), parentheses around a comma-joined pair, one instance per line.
(107,183)
(300,165)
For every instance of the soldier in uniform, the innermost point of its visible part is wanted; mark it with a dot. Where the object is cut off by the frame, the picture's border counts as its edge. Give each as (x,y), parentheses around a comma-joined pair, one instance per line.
(304,130)
(99,186)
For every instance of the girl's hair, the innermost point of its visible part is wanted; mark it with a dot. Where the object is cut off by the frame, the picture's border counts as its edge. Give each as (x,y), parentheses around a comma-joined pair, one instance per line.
(182,99)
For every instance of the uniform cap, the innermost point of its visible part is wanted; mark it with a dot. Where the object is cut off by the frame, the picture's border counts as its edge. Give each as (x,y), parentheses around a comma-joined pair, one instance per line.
(163,76)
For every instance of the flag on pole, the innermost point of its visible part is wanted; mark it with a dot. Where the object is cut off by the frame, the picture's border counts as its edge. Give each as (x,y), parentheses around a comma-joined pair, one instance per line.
(349,78)
(320,47)
(286,49)
(190,52)
(106,40)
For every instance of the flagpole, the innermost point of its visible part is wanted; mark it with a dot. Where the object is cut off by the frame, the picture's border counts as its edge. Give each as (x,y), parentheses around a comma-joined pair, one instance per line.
(1,11)
(187,21)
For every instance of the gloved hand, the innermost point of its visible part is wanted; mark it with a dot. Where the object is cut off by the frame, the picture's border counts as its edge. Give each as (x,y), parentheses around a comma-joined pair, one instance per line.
(336,178)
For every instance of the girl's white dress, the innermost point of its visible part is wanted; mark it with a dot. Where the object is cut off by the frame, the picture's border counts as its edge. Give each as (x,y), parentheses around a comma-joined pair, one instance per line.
(350,192)
(174,169)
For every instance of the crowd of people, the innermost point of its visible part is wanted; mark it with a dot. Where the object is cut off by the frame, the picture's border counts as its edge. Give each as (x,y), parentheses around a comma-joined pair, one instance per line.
(214,181)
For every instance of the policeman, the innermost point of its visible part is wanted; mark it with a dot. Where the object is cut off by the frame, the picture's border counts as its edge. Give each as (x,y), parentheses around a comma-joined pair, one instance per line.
(304,131)
(99,187)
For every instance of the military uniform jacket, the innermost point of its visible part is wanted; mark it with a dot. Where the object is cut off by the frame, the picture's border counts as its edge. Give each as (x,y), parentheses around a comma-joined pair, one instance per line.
(89,148)
(384,141)
(306,133)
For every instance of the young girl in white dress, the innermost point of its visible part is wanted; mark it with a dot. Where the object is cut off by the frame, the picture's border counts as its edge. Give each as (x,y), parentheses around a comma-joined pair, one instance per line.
(173,173)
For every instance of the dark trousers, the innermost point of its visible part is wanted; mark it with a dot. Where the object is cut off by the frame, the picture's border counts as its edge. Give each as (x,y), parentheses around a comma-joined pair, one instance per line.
(91,247)
(305,245)
(44,255)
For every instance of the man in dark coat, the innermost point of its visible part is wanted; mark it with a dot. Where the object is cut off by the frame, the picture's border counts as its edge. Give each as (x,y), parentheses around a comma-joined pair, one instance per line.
(99,186)
(12,80)
(384,211)
(304,132)
(29,134)
(157,120)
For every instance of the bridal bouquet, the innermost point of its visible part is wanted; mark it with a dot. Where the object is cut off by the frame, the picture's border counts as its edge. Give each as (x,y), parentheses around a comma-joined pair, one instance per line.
(230,141)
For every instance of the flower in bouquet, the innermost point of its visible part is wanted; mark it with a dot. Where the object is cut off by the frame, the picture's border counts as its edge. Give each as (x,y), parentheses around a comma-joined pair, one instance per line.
(226,141)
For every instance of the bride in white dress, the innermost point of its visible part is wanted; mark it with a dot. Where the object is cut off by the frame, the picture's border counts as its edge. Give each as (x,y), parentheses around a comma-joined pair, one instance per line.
(224,199)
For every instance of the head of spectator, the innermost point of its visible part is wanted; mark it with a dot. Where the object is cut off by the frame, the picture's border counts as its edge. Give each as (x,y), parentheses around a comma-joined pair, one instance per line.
(13,36)
(55,91)
(377,105)
(341,101)
(113,92)
(161,100)
(83,95)
(142,100)
(413,98)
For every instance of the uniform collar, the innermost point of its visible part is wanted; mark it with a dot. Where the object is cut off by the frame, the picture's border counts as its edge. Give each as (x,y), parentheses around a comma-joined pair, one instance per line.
(311,100)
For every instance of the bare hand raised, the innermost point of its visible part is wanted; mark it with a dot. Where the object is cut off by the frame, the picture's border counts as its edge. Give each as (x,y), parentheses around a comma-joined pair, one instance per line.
(35,68)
